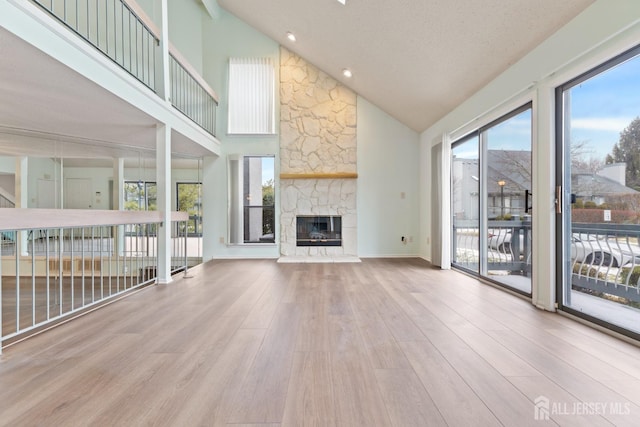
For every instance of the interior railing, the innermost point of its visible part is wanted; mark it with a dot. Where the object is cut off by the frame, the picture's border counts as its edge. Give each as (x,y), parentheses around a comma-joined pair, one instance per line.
(191,95)
(58,263)
(115,29)
(121,30)
(6,203)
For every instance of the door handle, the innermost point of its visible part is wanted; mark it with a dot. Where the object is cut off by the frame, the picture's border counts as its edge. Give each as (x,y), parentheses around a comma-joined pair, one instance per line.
(558,199)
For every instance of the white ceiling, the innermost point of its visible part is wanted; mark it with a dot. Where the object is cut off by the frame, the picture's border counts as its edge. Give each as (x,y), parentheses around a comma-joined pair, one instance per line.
(415,59)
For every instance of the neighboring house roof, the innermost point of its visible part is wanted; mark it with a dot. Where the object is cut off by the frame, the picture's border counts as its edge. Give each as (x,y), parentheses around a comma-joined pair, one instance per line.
(514,168)
(591,184)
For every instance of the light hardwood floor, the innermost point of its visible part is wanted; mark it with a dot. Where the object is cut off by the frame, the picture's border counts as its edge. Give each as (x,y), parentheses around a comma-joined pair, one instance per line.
(381,343)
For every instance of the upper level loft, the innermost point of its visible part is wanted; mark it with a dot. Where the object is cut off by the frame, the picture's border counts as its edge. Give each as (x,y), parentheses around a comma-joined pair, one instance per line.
(99,70)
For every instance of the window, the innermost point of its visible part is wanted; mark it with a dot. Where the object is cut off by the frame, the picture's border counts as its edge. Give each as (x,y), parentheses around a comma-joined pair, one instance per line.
(251,96)
(189,200)
(252,199)
(140,196)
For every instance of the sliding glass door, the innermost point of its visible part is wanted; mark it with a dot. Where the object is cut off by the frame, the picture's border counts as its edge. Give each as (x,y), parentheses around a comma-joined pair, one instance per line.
(491,195)
(599,183)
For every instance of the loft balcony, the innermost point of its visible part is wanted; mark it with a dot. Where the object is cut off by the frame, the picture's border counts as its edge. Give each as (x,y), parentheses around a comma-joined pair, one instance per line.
(100,70)
(123,32)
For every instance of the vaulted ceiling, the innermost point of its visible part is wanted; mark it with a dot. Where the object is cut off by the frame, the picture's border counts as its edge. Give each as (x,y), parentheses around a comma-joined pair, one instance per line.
(415,59)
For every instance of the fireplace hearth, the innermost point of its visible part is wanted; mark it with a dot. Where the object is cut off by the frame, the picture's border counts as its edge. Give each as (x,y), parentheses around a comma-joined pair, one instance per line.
(318,231)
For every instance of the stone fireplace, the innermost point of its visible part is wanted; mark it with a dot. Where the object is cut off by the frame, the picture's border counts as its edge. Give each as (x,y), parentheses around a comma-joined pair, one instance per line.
(318,161)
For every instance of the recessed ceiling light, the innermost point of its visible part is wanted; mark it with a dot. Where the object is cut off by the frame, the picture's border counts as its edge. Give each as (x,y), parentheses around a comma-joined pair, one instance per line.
(342,1)
(347,73)
(291,36)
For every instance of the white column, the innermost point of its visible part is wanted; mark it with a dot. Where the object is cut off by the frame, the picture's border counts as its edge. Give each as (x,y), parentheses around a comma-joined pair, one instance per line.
(163,182)
(163,85)
(236,198)
(118,201)
(543,281)
(445,206)
(214,233)
(22,200)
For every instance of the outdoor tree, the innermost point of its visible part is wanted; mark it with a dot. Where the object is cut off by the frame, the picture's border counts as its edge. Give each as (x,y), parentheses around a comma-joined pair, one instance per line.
(627,150)
(188,196)
(582,160)
(189,201)
(268,199)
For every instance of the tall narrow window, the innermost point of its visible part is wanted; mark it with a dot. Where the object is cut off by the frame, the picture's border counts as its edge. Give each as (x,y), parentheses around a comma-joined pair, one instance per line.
(252,200)
(251,96)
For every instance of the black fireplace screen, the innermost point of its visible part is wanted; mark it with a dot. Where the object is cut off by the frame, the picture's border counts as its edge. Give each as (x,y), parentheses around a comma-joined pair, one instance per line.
(319,231)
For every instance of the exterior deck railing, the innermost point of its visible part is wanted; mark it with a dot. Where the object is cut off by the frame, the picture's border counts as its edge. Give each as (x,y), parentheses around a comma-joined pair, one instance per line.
(605,258)
(52,272)
(121,30)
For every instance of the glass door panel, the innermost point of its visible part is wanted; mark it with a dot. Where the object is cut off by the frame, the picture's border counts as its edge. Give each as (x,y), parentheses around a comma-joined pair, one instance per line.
(599,130)
(507,205)
(465,200)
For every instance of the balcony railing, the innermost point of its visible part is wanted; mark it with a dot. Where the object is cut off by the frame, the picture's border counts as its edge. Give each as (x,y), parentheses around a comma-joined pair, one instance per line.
(192,96)
(78,260)
(114,29)
(604,258)
(121,30)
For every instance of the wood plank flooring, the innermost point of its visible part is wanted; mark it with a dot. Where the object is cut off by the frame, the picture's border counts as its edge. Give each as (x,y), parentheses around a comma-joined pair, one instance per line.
(380,343)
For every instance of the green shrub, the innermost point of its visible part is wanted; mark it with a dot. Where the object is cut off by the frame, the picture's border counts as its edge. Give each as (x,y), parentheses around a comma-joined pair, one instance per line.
(634,273)
(590,204)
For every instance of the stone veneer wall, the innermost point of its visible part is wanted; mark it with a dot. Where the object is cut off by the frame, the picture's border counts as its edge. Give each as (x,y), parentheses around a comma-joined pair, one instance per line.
(318,124)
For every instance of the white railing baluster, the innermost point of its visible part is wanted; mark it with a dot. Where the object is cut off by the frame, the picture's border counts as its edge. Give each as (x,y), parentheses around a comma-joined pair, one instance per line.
(70,256)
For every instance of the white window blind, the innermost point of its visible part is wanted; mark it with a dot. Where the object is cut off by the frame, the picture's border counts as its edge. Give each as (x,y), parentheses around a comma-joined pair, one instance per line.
(251,96)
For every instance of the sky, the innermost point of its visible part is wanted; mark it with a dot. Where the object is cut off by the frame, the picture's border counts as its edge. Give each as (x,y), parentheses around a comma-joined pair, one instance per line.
(600,108)
(268,172)
(604,105)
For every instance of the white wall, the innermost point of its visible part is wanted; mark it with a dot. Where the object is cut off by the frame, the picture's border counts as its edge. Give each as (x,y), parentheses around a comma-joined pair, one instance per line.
(387,169)
(185,29)
(42,168)
(603,30)
(185,25)
(8,164)
(8,184)
(224,37)
(99,178)
(387,159)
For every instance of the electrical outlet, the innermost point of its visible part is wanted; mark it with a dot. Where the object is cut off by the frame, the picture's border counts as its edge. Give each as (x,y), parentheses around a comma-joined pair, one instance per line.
(222,240)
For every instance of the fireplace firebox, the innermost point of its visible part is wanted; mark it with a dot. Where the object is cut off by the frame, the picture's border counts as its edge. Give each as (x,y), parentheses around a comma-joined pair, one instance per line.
(319,231)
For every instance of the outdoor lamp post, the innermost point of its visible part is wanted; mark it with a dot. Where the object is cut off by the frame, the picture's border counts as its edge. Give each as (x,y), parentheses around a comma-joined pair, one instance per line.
(501,183)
